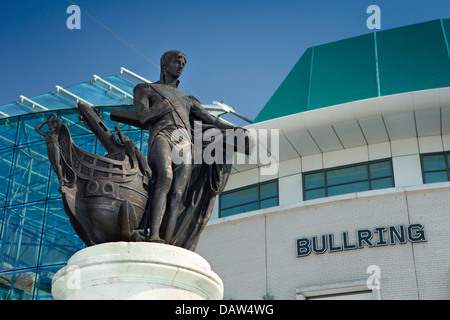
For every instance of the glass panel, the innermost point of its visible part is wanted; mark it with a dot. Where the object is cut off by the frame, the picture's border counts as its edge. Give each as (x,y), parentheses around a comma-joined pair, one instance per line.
(1,224)
(59,241)
(100,150)
(29,180)
(8,132)
(17,285)
(380,169)
(347,175)
(239,197)
(86,142)
(439,176)
(135,136)
(53,188)
(26,133)
(124,84)
(96,93)
(314,180)
(21,236)
(433,162)
(106,111)
(268,203)
(348,188)
(43,283)
(144,146)
(381,183)
(240,209)
(268,190)
(70,119)
(314,194)
(54,101)
(6,157)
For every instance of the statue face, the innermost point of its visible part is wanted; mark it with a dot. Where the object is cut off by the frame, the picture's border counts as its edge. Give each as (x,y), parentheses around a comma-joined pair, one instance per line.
(175,67)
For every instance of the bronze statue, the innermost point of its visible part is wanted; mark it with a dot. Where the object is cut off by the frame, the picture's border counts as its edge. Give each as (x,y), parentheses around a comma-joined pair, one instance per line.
(123,196)
(166,109)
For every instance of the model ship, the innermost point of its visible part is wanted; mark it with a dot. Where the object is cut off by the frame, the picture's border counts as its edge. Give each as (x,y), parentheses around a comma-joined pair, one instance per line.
(105,197)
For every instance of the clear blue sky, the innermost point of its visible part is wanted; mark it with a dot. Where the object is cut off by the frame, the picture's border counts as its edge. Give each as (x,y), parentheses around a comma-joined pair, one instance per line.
(238,51)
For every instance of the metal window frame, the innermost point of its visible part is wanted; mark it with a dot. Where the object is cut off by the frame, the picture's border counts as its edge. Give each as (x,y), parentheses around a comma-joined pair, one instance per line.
(326,170)
(258,201)
(446,155)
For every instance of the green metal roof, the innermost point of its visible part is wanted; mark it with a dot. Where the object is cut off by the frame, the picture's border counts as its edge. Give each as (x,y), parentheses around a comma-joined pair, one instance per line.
(411,58)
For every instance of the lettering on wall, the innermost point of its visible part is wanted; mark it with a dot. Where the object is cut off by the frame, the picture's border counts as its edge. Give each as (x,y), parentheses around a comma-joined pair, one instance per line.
(377,237)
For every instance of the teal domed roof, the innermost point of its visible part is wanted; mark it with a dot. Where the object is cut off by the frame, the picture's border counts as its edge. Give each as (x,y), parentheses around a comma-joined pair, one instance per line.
(405,59)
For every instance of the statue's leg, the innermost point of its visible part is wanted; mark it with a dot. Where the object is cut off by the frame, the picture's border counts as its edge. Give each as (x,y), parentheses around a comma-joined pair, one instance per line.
(181,176)
(54,155)
(161,165)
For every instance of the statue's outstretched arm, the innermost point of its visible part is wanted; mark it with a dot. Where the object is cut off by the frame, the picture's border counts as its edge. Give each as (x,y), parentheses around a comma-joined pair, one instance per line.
(200,113)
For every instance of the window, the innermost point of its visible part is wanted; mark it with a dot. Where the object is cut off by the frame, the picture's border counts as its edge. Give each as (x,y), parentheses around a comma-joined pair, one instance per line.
(435,167)
(259,196)
(355,178)
(359,295)
(346,290)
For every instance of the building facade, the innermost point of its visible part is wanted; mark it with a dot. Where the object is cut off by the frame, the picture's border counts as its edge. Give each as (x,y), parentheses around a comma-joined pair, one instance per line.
(359,203)
(353,204)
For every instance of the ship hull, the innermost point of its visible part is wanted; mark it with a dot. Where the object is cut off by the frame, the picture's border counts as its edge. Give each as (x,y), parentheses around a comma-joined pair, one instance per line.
(105,197)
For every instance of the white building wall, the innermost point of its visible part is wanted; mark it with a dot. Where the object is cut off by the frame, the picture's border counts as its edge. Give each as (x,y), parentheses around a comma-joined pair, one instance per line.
(242,267)
(330,268)
(407,170)
(290,189)
(255,252)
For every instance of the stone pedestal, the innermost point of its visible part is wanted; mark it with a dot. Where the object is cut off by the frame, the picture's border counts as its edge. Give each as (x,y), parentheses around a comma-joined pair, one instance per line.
(136,271)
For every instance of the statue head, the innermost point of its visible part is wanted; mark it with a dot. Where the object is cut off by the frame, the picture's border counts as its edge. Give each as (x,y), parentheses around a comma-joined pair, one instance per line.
(172,64)
(53,122)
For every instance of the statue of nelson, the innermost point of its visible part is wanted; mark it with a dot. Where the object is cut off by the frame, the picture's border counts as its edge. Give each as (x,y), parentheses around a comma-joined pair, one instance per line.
(167,111)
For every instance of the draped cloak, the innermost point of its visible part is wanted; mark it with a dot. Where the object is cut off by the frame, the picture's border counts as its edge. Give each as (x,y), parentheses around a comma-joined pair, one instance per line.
(206,181)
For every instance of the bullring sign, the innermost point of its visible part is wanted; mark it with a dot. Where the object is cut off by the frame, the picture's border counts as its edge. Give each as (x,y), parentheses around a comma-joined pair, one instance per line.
(390,235)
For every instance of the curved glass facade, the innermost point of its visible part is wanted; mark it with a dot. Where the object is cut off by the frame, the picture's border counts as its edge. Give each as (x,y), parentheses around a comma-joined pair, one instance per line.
(36,238)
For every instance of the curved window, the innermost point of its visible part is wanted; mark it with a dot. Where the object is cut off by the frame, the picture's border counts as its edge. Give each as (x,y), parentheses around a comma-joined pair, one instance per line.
(348,179)
(254,197)
(435,167)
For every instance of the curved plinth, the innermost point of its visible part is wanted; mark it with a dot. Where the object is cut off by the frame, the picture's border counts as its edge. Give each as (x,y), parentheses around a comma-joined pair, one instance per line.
(136,270)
